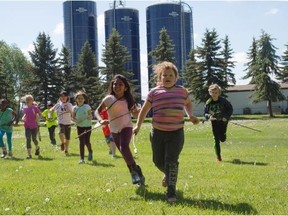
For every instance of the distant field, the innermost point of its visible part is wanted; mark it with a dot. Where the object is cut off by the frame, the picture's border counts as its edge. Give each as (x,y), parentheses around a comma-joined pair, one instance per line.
(252,179)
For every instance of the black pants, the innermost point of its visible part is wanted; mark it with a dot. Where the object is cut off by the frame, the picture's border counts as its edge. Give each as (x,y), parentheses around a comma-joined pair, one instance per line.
(219,129)
(51,131)
(166,148)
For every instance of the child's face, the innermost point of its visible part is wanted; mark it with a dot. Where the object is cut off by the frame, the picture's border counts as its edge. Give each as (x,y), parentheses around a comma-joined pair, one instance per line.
(119,88)
(168,78)
(29,101)
(214,93)
(80,100)
(63,98)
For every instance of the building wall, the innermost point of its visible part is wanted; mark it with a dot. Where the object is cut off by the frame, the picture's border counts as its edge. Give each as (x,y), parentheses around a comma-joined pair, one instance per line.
(80,25)
(241,101)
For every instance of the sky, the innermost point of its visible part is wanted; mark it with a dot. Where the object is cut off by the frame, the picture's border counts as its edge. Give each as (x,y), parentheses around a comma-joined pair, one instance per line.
(21,22)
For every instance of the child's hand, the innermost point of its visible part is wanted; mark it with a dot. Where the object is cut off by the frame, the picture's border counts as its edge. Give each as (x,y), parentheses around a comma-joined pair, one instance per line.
(135,110)
(194,120)
(104,122)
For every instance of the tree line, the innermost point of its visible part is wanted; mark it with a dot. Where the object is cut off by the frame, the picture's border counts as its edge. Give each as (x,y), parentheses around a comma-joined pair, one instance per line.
(46,74)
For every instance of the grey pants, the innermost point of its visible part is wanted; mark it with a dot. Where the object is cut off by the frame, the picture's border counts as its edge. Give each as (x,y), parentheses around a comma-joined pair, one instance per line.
(31,134)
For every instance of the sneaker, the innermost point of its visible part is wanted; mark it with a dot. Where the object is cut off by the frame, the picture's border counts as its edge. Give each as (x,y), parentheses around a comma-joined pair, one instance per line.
(135,177)
(62,147)
(164,183)
(37,151)
(29,157)
(81,161)
(172,199)
(90,156)
(4,155)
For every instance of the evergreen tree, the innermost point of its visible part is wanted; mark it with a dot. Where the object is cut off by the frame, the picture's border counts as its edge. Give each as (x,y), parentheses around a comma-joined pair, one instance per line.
(190,69)
(266,89)
(115,56)
(68,78)
(87,75)
(228,65)
(47,81)
(209,66)
(283,76)
(252,64)
(164,51)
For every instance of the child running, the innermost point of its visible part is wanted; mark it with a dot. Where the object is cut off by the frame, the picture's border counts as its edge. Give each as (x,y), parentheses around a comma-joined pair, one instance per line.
(218,110)
(167,101)
(107,133)
(7,117)
(82,116)
(64,111)
(30,119)
(51,122)
(120,104)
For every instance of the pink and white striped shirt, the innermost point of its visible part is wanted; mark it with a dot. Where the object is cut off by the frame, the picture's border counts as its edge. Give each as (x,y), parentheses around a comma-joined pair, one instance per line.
(168,107)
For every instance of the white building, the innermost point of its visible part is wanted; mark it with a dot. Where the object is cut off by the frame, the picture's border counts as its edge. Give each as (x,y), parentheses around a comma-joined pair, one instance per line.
(239,97)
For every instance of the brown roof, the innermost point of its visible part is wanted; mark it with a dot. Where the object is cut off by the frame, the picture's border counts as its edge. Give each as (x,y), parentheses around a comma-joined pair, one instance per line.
(250,87)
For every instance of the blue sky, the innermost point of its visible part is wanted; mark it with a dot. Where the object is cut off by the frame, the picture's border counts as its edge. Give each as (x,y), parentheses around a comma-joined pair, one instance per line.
(21,22)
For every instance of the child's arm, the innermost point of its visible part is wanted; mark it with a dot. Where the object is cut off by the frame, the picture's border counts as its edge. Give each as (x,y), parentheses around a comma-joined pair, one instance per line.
(98,115)
(189,113)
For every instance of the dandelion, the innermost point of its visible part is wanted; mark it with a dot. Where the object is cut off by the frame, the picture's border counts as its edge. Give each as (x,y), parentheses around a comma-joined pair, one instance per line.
(7,209)
(108,190)
(47,199)
(27,208)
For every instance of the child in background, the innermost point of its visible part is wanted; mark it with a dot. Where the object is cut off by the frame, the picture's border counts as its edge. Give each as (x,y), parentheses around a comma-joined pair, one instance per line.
(7,116)
(120,104)
(107,133)
(218,110)
(168,101)
(31,114)
(51,122)
(82,116)
(64,111)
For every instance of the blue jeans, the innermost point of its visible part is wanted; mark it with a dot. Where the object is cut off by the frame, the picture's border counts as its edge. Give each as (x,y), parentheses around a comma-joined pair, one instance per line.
(9,139)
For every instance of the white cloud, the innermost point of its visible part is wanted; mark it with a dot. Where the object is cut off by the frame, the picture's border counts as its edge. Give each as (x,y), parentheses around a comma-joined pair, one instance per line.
(240,58)
(59,29)
(272,11)
(25,51)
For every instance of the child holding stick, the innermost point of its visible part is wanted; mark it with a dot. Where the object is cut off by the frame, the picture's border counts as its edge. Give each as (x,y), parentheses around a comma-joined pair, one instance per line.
(120,104)
(82,116)
(168,101)
(64,111)
(218,110)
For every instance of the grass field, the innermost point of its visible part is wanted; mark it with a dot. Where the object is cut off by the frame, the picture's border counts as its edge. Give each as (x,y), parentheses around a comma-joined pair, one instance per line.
(252,179)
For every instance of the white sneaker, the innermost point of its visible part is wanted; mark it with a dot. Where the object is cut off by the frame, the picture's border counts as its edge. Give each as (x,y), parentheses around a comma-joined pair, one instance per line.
(81,161)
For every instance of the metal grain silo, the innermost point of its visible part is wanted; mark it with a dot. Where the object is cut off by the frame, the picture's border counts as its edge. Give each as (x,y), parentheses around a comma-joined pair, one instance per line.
(126,22)
(80,25)
(178,22)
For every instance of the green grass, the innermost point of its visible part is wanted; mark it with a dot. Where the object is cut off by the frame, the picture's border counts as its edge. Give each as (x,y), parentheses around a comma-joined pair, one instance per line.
(252,179)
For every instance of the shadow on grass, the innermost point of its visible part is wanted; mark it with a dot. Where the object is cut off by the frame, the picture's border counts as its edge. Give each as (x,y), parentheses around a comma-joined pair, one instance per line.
(14,159)
(239,162)
(43,158)
(95,163)
(240,208)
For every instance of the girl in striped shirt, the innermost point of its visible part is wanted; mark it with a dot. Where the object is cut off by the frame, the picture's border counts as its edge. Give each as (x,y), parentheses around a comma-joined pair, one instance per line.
(168,102)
